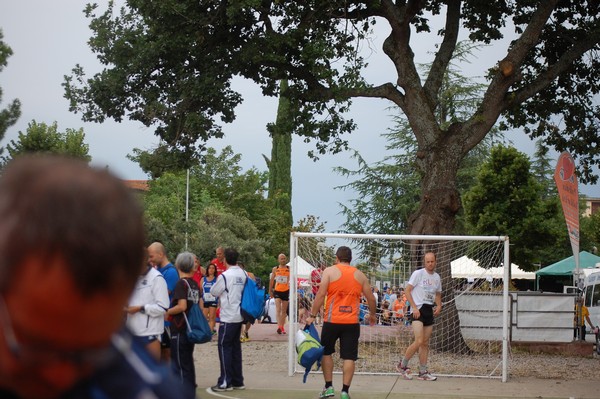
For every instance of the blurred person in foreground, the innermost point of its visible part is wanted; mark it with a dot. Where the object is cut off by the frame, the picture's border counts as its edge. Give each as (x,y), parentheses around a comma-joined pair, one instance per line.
(61,294)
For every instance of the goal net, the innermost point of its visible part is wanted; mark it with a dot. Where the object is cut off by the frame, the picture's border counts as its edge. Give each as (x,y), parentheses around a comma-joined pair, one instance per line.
(470,336)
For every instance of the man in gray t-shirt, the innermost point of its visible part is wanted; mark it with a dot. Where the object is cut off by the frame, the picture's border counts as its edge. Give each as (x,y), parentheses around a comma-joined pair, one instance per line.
(424,292)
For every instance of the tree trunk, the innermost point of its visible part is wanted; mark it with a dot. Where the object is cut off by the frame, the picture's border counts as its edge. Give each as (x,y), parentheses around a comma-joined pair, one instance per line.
(440,203)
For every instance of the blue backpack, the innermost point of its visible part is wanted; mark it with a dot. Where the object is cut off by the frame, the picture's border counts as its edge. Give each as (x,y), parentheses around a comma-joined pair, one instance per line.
(253,300)
(198,330)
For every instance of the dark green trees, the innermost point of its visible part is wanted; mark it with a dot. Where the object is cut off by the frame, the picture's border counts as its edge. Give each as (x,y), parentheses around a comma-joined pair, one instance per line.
(280,164)
(42,138)
(10,114)
(509,200)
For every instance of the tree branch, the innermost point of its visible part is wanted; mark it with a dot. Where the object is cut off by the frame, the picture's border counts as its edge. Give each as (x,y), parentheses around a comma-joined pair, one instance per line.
(563,64)
(494,99)
(386,90)
(444,55)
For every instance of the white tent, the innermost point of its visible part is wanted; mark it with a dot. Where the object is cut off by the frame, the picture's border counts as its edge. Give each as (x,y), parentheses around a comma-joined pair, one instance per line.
(304,268)
(465,267)
(515,273)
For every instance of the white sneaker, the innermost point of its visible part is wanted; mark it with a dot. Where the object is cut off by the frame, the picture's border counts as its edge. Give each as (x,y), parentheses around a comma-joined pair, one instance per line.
(404,372)
(426,376)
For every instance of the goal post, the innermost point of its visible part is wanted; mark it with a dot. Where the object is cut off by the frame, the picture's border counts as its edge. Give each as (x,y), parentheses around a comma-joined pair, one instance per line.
(470,337)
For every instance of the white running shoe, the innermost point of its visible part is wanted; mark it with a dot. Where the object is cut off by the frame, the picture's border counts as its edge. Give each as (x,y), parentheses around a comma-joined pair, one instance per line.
(426,376)
(404,372)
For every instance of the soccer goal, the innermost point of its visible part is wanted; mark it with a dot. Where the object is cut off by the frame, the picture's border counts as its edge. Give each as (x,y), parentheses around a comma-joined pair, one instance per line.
(470,337)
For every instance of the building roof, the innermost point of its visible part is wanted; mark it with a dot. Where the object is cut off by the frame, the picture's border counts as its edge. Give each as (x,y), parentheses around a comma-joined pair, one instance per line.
(137,185)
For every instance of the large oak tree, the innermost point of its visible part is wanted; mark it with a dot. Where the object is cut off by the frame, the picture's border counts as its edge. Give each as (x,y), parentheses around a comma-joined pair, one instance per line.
(170,64)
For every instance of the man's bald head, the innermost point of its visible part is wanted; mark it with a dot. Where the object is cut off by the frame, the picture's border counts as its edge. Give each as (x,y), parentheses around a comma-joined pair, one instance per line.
(157,254)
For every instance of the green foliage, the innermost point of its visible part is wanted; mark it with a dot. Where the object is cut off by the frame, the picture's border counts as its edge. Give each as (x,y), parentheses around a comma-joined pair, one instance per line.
(310,224)
(170,64)
(565,112)
(589,227)
(41,138)
(508,200)
(11,114)
(226,207)
(280,164)
(543,170)
(161,159)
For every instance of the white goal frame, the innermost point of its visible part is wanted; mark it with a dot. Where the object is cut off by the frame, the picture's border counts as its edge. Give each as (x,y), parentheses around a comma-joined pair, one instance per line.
(294,367)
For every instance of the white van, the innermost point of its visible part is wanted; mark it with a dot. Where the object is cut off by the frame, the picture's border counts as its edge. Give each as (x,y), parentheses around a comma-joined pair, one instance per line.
(592,301)
(592,296)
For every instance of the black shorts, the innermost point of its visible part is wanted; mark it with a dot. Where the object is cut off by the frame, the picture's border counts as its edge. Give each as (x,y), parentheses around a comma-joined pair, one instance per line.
(348,335)
(210,304)
(283,295)
(426,315)
(165,341)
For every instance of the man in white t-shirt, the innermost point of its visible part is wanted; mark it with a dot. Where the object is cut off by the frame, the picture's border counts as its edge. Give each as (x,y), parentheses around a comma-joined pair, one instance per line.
(228,288)
(424,292)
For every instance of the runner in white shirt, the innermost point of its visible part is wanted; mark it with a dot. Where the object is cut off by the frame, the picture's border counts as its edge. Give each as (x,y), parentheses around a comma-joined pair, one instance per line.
(424,292)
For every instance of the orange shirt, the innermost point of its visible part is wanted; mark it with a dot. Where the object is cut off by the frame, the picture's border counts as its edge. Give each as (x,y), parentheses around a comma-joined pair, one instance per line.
(282,279)
(343,298)
(398,308)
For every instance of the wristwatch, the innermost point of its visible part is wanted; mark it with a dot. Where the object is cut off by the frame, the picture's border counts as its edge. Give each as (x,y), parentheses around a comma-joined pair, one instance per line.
(143,309)
(313,316)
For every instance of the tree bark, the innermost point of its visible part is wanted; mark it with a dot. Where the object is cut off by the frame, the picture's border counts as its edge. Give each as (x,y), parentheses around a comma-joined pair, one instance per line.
(440,202)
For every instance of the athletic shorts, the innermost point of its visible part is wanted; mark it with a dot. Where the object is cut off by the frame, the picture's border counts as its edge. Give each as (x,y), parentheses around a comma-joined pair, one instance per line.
(426,315)
(145,340)
(348,335)
(165,341)
(210,305)
(283,295)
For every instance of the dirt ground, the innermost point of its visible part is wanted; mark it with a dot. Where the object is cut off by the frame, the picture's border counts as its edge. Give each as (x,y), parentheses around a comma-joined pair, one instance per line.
(265,362)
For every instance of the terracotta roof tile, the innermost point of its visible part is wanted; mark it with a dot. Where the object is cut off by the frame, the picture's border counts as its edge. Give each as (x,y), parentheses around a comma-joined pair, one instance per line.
(137,185)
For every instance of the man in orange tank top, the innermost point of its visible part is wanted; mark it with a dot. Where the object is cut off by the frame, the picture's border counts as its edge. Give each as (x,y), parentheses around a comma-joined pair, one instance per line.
(279,288)
(343,285)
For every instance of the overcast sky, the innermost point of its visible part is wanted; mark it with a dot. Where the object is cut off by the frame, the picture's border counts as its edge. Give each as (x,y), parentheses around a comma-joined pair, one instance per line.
(49,37)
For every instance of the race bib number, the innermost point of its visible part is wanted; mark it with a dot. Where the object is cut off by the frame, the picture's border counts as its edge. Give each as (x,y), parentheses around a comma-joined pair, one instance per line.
(429,297)
(208,297)
(281,279)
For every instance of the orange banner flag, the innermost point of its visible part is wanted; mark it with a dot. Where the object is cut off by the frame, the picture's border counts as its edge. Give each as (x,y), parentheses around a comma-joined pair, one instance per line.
(566,182)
